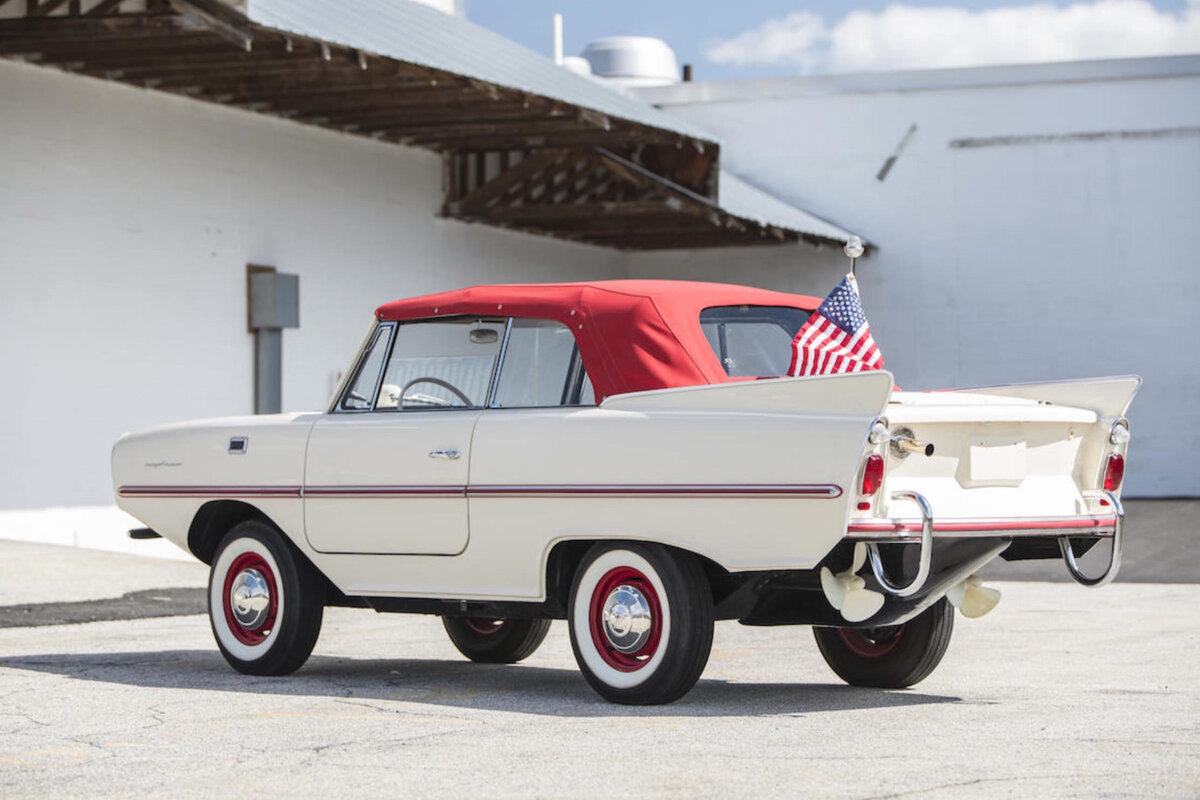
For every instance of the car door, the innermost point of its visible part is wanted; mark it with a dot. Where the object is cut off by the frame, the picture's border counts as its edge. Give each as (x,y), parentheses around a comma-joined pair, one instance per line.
(531,442)
(387,469)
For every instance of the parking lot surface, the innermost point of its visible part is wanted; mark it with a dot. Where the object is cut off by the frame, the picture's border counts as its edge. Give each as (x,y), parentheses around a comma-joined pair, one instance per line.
(1061,691)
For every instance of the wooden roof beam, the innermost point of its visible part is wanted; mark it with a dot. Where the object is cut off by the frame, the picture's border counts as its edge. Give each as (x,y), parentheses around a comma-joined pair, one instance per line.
(336,100)
(103,7)
(195,50)
(495,189)
(46,8)
(573,214)
(267,80)
(517,142)
(405,112)
(86,27)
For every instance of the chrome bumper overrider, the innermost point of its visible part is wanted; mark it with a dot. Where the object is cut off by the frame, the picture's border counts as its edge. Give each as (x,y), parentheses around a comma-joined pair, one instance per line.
(923,531)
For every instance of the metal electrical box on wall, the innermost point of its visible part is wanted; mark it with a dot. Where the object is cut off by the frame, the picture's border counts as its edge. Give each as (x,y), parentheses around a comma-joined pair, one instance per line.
(274,300)
(272,304)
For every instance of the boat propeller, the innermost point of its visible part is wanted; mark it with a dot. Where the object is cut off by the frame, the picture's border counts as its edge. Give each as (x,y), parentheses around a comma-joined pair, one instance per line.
(972,598)
(847,592)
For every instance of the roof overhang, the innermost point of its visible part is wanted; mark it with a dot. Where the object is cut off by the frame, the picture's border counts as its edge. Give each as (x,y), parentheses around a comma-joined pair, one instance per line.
(538,149)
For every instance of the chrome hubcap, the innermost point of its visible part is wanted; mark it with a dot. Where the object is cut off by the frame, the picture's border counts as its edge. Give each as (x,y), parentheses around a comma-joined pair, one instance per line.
(627,619)
(250,598)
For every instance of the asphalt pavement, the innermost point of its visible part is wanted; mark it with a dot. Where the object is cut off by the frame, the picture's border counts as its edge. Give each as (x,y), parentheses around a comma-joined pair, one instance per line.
(1162,545)
(1061,691)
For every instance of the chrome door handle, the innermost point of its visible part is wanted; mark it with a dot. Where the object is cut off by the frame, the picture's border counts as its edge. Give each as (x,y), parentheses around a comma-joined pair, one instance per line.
(452,455)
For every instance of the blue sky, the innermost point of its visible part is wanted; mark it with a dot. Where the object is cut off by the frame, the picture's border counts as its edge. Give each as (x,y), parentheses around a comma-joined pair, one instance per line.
(774,37)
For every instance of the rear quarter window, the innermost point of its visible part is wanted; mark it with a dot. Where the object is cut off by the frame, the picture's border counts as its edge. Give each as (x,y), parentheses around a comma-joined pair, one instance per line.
(753,341)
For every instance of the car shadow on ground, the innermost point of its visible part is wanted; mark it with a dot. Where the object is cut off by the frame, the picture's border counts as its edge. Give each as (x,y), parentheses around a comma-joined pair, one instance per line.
(454,684)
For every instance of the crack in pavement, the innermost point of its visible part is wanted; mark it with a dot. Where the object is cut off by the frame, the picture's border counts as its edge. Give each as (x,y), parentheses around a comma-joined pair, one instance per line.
(403,713)
(22,715)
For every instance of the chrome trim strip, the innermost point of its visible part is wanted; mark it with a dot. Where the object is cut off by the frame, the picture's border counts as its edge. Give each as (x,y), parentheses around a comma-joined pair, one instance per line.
(699,490)
(209,491)
(784,490)
(385,491)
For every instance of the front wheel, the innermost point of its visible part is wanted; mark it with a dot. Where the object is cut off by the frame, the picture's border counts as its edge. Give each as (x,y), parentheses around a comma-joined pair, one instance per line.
(889,657)
(496,641)
(641,621)
(265,601)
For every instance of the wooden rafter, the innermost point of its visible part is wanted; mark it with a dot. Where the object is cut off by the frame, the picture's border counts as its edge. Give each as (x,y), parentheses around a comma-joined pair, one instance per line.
(45,8)
(596,195)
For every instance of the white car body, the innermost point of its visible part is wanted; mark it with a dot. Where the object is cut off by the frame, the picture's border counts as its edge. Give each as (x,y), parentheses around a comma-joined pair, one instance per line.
(754,476)
(498,495)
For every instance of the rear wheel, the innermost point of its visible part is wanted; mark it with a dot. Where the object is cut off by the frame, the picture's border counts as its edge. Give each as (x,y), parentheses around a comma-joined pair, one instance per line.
(641,621)
(265,601)
(496,641)
(889,657)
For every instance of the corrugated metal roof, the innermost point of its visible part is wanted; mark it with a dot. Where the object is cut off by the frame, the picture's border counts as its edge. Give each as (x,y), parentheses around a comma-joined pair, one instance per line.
(743,200)
(413,32)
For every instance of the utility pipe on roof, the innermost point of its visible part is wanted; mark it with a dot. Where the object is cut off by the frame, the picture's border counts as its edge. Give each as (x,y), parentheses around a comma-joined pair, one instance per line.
(557,34)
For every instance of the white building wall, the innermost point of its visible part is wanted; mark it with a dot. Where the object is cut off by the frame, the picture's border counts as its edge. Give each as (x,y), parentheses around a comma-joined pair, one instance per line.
(127,219)
(1020,261)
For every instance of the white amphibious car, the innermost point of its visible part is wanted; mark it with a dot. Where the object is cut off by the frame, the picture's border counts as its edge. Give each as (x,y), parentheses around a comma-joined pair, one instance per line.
(621,455)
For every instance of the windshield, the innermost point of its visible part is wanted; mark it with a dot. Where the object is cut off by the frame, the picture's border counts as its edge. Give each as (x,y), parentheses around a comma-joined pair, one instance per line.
(753,341)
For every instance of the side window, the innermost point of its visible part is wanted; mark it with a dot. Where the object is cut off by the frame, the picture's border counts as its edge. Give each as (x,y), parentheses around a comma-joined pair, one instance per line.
(442,364)
(362,390)
(541,366)
(752,341)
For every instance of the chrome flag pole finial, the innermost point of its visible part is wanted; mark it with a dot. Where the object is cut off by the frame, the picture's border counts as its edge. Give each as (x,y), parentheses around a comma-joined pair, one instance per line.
(853,250)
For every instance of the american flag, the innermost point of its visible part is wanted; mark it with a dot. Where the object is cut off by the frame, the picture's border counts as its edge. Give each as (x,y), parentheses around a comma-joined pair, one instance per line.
(836,337)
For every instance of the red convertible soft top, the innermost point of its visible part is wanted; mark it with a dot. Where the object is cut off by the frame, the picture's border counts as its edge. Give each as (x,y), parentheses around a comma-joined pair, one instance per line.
(633,335)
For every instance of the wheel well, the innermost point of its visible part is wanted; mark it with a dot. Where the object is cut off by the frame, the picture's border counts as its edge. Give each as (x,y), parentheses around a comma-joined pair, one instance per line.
(565,557)
(213,521)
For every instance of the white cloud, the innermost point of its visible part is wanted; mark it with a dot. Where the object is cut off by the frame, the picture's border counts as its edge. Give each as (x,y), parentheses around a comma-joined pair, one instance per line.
(907,37)
(800,38)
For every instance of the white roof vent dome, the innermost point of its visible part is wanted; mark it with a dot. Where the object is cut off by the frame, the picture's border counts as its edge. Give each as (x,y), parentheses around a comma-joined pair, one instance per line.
(580,66)
(629,61)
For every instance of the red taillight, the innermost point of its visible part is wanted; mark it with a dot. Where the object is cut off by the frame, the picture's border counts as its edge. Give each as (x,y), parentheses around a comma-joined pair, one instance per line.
(1114,473)
(872,475)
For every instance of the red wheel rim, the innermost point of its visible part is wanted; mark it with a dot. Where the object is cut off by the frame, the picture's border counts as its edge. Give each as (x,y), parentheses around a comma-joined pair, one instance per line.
(613,579)
(863,642)
(482,625)
(259,633)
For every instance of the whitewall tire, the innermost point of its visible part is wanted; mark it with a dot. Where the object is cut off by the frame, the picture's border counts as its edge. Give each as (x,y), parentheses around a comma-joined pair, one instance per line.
(265,601)
(641,620)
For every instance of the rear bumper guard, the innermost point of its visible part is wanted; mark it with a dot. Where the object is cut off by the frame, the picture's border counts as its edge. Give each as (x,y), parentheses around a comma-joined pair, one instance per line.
(923,531)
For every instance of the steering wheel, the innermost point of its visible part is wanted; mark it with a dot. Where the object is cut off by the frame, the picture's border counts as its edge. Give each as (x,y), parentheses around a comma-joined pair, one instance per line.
(437,382)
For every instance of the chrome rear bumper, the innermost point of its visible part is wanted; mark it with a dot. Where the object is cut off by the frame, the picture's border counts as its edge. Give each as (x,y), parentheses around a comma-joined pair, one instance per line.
(923,531)
(909,530)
